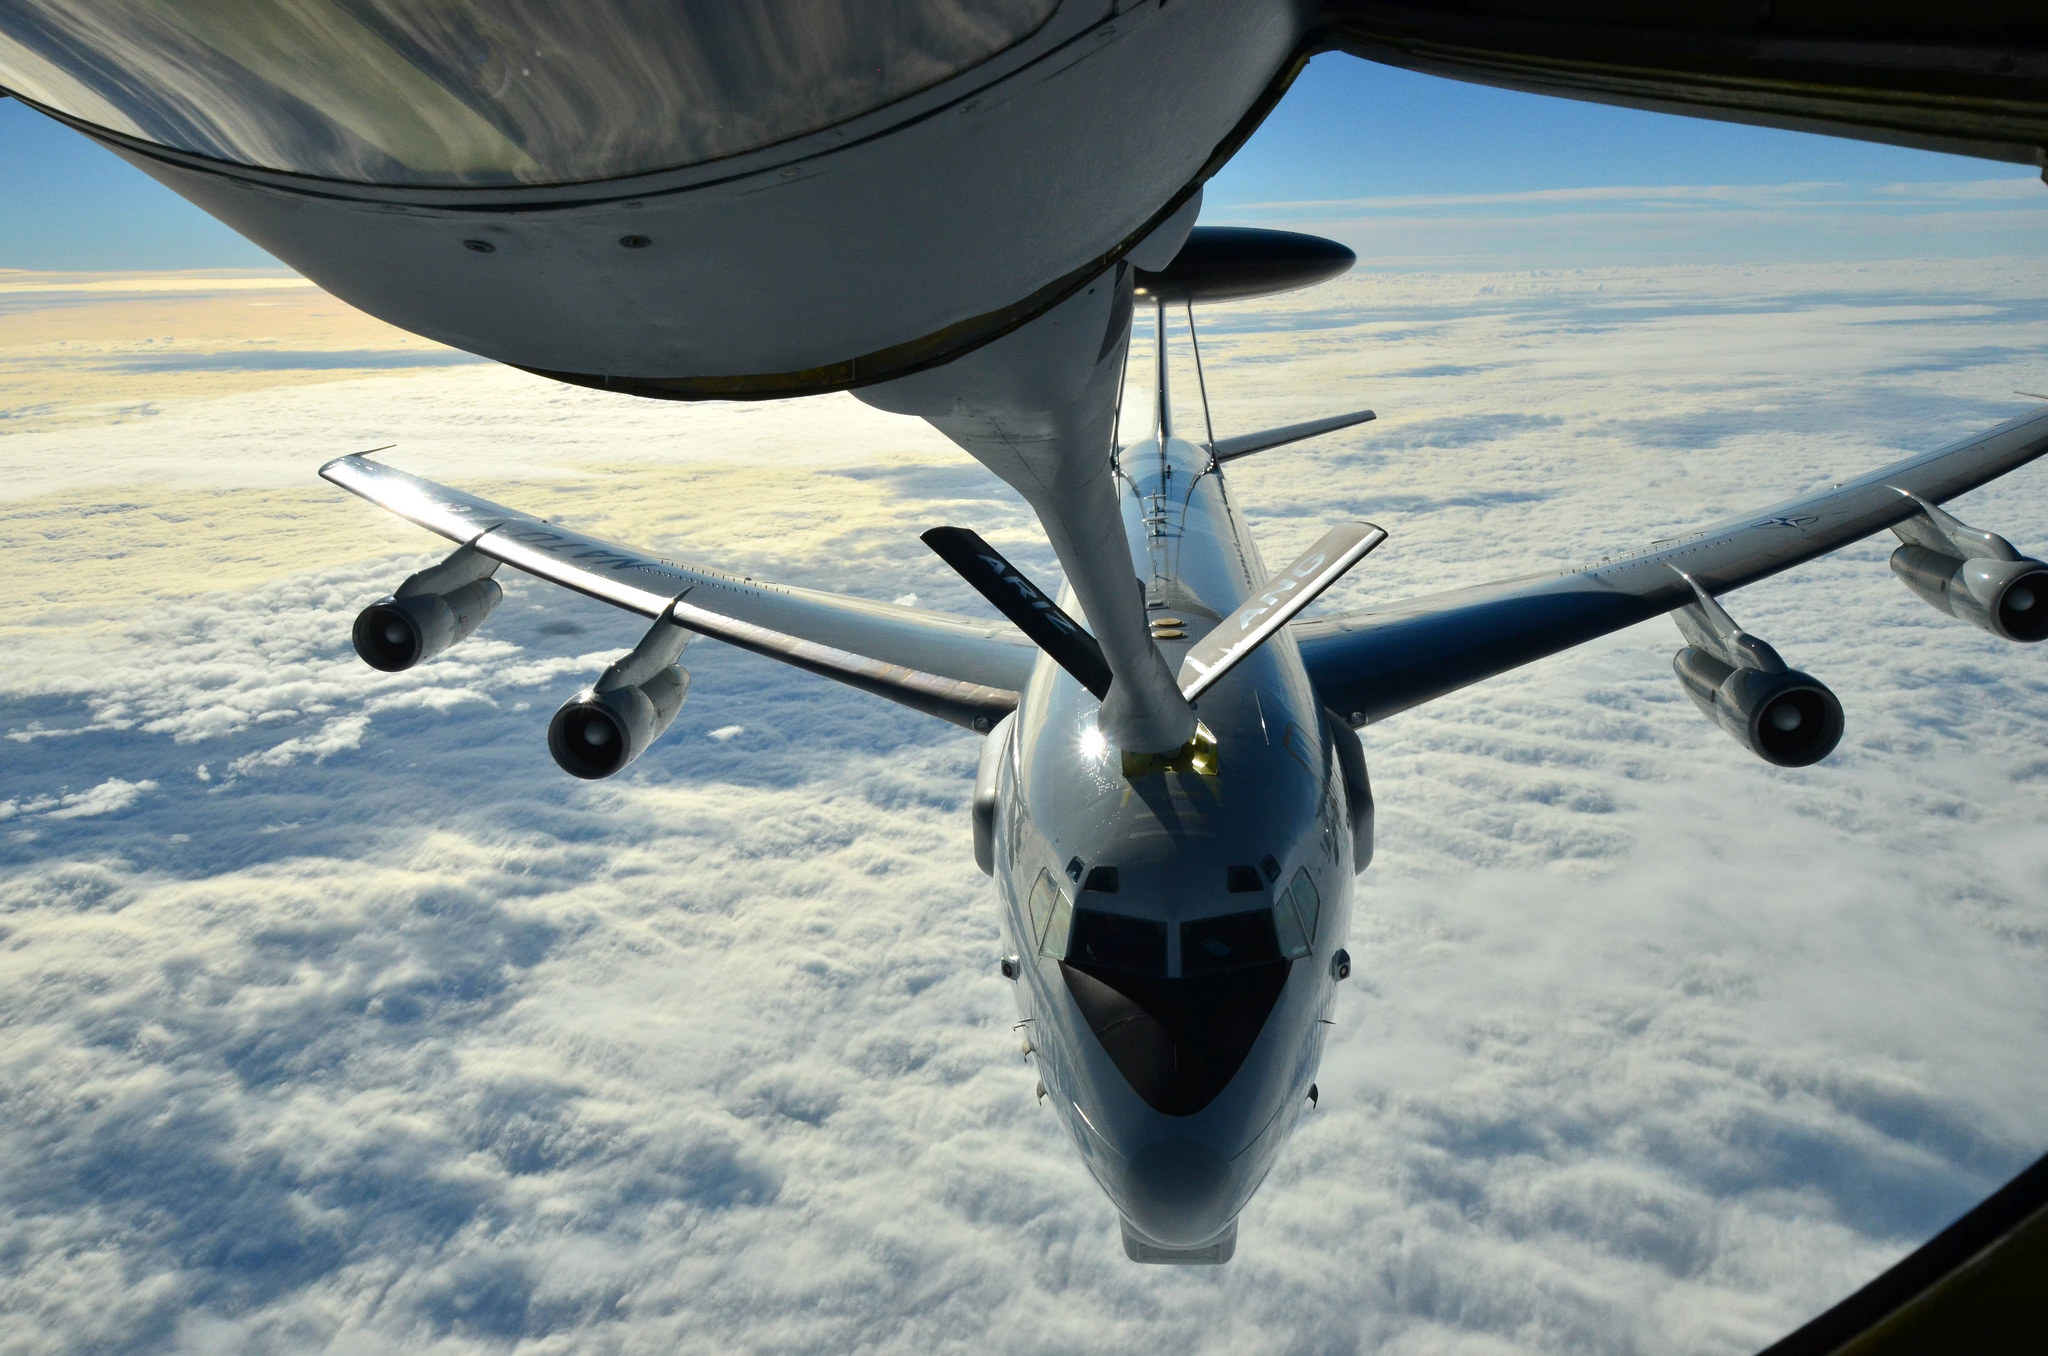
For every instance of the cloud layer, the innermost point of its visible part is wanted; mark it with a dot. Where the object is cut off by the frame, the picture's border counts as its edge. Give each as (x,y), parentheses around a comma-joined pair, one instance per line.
(335,1017)
(1785,223)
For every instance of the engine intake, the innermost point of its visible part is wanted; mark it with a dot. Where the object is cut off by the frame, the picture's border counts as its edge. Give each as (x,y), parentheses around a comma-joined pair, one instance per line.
(603,728)
(1781,715)
(430,611)
(1972,575)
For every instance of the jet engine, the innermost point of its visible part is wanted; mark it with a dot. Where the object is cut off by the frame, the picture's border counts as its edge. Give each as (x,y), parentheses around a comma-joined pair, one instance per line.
(430,611)
(1972,574)
(610,723)
(1779,714)
(1357,787)
(995,746)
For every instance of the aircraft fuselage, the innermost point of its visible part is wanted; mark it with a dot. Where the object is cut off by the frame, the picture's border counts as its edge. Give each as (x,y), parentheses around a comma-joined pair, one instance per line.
(1173,923)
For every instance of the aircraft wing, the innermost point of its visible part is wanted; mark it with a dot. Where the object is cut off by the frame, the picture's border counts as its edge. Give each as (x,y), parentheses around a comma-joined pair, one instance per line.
(1965,78)
(962,670)
(1975,1286)
(1369,665)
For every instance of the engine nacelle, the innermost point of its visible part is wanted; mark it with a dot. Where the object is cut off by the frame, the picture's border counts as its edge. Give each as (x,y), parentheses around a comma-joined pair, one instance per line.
(1357,787)
(988,783)
(2008,598)
(430,611)
(1972,574)
(598,733)
(1784,717)
(603,728)
(1779,714)
(395,633)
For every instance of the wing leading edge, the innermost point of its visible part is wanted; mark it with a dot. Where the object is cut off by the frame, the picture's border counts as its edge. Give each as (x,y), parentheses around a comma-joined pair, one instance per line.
(1372,664)
(960,670)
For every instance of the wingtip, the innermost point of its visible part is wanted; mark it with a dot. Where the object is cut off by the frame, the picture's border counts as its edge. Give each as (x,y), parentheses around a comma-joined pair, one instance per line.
(327,468)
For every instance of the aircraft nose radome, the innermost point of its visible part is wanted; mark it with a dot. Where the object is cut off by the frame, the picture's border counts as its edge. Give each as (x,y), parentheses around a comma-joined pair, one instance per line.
(1179,1192)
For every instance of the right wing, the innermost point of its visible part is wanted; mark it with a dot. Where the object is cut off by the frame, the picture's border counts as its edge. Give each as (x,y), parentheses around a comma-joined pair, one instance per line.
(1371,664)
(961,670)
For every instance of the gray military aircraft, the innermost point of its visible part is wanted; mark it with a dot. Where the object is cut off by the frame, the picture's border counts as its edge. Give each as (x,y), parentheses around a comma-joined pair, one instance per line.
(1175,902)
(951,207)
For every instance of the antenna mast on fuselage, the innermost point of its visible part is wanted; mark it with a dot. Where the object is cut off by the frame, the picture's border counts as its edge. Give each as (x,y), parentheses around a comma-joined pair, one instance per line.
(1162,402)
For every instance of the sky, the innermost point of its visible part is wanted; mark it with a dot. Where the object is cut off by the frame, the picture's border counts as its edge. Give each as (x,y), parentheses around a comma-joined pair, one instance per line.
(334,1017)
(1410,170)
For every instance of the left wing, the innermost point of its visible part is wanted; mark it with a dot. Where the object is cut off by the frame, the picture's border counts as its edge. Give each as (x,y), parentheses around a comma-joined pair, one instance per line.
(1371,664)
(1244,444)
(961,670)
(1963,78)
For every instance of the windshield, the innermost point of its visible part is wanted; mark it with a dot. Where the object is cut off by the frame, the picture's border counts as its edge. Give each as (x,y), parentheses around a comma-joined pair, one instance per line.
(427,92)
(1212,945)
(1116,941)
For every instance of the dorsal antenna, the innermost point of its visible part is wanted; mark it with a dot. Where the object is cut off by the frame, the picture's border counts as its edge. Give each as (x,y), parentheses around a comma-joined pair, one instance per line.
(1201,382)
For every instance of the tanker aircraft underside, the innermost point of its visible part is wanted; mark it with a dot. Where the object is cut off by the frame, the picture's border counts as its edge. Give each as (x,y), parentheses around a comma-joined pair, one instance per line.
(1172,797)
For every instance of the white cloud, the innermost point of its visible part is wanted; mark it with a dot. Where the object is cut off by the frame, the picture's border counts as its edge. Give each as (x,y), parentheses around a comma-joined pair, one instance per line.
(1681,224)
(398,1038)
(109,797)
(337,735)
(2005,190)
(197,280)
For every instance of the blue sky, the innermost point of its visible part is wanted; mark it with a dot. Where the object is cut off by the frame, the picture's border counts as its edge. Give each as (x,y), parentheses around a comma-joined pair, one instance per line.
(1503,179)
(1351,128)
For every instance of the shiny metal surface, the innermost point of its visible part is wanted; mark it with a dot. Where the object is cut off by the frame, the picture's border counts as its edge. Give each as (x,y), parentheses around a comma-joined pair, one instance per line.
(489,92)
(889,241)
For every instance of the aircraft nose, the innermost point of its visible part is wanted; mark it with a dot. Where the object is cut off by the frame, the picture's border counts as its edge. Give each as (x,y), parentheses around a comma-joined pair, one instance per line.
(1180,1192)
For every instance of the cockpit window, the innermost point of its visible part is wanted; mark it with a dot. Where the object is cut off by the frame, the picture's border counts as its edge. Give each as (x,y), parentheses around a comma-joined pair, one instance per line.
(1210,946)
(1052,917)
(1308,902)
(1296,912)
(1117,941)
